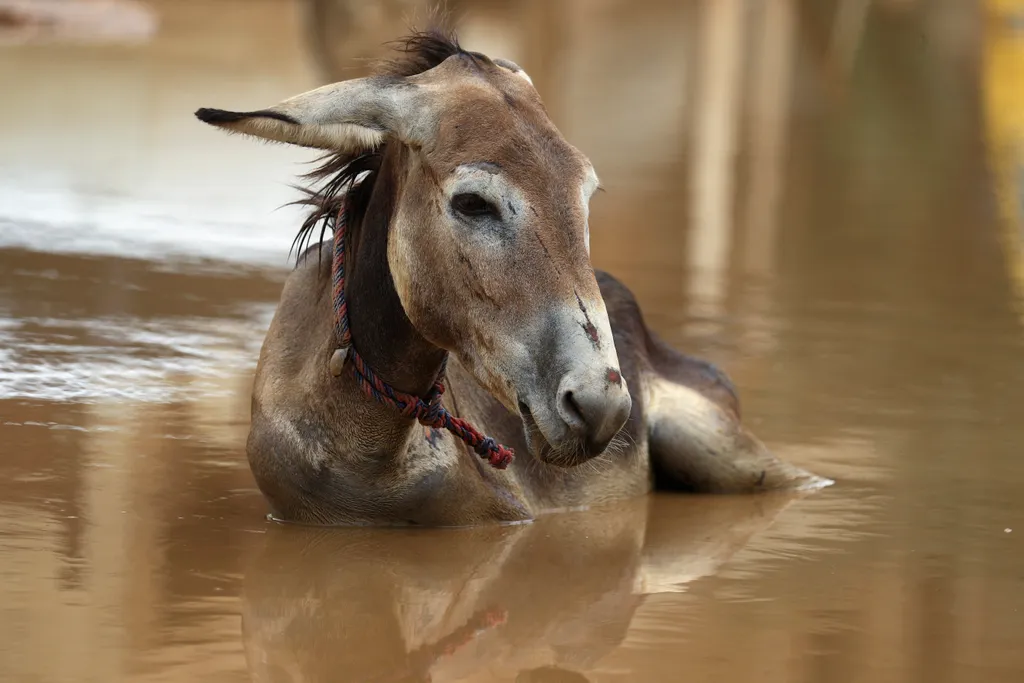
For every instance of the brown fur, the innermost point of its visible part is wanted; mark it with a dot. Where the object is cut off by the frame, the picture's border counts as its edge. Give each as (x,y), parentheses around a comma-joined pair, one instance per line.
(547,356)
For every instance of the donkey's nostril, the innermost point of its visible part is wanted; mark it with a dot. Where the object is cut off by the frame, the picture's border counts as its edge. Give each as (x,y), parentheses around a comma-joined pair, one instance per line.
(593,412)
(572,414)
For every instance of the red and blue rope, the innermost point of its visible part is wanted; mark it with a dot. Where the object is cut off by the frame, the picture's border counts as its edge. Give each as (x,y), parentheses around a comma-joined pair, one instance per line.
(428,411)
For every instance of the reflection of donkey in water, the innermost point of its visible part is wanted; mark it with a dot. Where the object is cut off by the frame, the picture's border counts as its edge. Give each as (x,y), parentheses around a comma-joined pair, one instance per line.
(459,215)
(523,602)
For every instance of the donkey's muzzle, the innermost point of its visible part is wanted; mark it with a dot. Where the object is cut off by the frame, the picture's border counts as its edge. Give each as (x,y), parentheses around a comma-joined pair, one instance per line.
(593,408)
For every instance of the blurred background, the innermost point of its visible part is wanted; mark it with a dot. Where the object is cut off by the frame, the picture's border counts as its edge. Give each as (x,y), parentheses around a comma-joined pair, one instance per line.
(825,197)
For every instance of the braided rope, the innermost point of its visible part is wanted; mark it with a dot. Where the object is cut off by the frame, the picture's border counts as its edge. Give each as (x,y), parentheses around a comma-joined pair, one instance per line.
(429,411)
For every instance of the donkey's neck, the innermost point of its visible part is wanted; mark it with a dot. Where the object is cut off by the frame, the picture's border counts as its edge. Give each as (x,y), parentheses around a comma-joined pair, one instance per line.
(381,331)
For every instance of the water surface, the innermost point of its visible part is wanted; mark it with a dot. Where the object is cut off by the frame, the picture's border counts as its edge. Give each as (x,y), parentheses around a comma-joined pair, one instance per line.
(825,198)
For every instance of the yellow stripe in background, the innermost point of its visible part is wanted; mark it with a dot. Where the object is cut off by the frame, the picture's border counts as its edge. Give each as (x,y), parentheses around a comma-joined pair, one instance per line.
(1003,83)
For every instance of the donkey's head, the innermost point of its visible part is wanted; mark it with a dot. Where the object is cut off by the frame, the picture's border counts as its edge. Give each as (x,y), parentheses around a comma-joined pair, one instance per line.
(488,244)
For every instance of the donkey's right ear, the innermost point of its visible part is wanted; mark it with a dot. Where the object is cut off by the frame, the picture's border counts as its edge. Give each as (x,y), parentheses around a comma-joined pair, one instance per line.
(350,116)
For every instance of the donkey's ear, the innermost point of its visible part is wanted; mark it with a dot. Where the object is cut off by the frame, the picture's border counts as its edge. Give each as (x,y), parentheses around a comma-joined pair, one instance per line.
(345,117)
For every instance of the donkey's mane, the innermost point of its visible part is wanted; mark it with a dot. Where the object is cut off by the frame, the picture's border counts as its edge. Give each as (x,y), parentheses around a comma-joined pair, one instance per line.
(339,174)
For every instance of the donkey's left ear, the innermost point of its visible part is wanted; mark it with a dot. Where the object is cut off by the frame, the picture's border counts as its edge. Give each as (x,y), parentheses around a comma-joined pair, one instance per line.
(350,116)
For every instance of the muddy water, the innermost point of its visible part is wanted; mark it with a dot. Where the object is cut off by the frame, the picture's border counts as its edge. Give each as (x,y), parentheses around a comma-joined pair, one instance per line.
(825,198)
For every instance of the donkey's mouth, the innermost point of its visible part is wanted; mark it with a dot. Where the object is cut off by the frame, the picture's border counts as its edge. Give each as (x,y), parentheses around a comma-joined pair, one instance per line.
(567,454)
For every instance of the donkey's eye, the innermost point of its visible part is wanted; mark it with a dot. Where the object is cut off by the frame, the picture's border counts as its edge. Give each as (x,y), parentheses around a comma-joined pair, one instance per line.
(473,205)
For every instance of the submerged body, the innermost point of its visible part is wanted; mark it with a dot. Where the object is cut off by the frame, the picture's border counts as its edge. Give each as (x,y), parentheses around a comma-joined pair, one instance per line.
(683,431)
(467,243)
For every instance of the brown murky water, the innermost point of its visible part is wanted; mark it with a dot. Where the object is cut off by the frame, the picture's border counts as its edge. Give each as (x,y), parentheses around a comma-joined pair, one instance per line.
(824,197)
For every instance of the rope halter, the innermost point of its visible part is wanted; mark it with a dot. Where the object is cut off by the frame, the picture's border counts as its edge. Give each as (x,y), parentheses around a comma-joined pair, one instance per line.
(428,411)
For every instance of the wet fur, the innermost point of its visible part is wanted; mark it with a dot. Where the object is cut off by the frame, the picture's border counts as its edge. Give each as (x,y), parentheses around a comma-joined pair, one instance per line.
(321,452)
(439,481)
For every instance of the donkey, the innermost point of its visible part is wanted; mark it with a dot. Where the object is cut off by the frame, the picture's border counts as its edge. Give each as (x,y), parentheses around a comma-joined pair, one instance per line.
(460,263)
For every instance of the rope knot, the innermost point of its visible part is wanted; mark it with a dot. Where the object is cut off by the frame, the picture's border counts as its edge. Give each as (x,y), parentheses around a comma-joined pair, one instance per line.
(497,455)
(432,413)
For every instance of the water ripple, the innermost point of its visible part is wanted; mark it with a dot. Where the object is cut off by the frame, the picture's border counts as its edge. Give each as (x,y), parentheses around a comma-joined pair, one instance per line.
(160,360)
